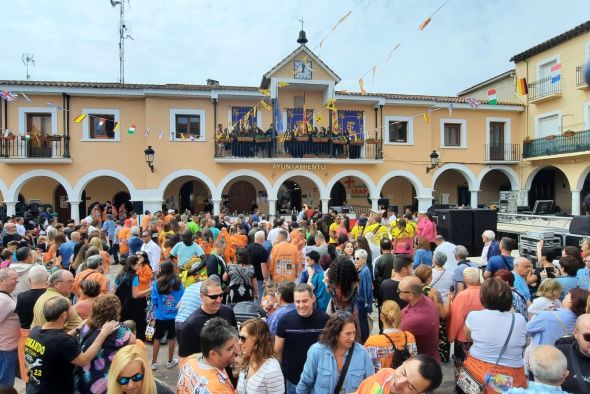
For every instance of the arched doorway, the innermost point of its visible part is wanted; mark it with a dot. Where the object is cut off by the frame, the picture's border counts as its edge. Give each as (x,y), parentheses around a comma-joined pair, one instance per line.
(187,192)
(61,204)
(289,197)
(42,191)
(337,194)
(452,189)
(491,185)
(550,183)
(353,191)
(241,197)
(102,189)
(398,192)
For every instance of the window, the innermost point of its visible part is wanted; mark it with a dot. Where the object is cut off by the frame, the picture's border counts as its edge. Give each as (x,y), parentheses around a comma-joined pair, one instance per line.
(547,125)
(399,130)
(99,125)
(39,123)
(187,125)
(453,133)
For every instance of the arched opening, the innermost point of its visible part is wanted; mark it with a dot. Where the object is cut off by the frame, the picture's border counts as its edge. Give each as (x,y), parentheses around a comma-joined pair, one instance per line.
(337,194)
(241,197)
(550,183)
(398,192)
(43,191)
(61,203)
(187,192)
(353,192)
(452,189)
(103,189)
(296,191)
(491,185)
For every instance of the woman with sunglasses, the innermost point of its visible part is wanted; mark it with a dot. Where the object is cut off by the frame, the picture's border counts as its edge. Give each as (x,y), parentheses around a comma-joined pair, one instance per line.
(260,371)
(131,374)
(337,363)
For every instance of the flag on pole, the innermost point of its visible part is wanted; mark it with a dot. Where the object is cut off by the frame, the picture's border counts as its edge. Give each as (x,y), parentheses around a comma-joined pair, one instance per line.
(473,103)
(80,118)
(117,124)
(450,110)
(161,135)
(426,117)
(27,99)
(131,130)
(521,87)
(556,73)
(9,96)
(492,99)
(424,23)
(362,86)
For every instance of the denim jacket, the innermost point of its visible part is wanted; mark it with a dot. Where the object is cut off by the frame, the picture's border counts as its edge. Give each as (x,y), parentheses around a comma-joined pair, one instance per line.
(320,373)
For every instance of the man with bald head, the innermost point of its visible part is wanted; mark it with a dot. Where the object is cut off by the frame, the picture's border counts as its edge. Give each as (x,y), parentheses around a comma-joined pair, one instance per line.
(549,367)
(577,354)
(420,316)
(522,269)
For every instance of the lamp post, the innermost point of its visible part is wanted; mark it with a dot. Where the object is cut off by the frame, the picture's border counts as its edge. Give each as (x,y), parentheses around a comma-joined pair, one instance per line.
(149,157)
(434,156)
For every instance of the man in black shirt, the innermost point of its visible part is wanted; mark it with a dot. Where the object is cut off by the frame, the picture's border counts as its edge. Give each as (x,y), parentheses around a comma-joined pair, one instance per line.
(402,267)
(297,330)
(259,259)
(577,354)
(11,234)
(384,263)
(27,299)
(211,296)
(51,354)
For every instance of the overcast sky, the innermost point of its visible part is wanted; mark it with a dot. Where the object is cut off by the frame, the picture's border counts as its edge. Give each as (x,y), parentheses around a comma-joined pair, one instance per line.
(236,42)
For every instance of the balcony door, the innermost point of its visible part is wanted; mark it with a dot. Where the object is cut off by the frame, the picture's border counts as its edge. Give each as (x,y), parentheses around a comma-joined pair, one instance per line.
(545,78)
(496,140)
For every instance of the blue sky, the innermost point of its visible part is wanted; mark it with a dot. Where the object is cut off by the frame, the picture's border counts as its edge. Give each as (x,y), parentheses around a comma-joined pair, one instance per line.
(236,42)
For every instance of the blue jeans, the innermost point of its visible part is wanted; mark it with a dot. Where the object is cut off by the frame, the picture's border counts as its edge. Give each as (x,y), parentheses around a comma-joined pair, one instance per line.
(291,388)
(8,365)
(363,320)
(261,291)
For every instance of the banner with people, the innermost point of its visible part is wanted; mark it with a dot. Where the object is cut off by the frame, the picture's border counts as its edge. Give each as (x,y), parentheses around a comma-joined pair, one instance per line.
(243,117)
(295,120)
(351,124)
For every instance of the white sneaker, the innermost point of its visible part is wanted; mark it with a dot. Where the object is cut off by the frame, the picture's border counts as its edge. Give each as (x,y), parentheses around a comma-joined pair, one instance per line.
(154,365)
(172,364)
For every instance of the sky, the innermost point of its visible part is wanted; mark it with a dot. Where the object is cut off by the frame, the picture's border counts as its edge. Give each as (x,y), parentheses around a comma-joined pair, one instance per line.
(236,42)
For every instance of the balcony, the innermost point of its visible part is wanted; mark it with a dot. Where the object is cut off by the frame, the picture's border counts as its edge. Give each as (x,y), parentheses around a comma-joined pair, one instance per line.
(580,83)
(569,142)
(543,90)
(37,149)
(502,153)
(312,149)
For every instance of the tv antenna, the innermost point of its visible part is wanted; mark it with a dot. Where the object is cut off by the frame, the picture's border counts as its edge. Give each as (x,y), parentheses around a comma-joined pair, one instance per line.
(28,58)
(122,37)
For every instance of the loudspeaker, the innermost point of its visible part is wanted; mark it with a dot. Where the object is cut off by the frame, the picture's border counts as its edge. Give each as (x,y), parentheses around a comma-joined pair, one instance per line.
(483,219)
(456,225)
(580,225)
(137,207)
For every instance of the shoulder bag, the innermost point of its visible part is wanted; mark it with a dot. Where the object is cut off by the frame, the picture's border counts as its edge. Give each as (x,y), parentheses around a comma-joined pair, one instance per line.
(344,370)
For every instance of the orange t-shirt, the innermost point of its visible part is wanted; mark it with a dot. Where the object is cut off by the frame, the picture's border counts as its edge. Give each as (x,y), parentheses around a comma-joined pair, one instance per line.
(168,218)
(378,383)
(90,274)
(284,262)
(381,351)
(145,222)
(145,276)
(197,376)
(124,235)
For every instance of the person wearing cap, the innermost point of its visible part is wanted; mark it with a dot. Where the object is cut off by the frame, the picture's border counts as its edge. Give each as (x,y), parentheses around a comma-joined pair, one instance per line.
(358,229)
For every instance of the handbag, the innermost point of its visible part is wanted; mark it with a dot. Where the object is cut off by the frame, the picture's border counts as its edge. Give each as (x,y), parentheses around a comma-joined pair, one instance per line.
(467,383)
(344,370)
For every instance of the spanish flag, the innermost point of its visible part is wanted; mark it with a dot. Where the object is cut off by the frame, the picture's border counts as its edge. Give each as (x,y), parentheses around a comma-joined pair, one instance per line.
(80,118)
(521,87)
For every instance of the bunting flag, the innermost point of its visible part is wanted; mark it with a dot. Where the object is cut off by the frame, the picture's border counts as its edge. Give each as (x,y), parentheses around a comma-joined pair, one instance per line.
(390,53)
(331,104)
(282,84)
(265,105)
(521,87)
(55,106)
(266,92)
(492,99)
(27,136)
(161,135)
(101,122)
(556,73)
(340,21)
(335,125)
(362,86)
(147,132)
(131,130)
(450,110)
(426,117)
(374,71)
(318,118)
(9,96)
(424,23)
(473,103)
(117,124)
(6,132)
(80,118)
(27,99)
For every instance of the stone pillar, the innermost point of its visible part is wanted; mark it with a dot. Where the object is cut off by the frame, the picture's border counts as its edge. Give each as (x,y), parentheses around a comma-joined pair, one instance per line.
(75,211)
(272,210)
(325,204)
(10,208)
(216,207)
(424,203)
(473,198)
(576,202)
(375,204)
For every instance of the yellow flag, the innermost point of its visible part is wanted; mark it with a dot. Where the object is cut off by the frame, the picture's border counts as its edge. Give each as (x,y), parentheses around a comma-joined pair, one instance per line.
(265,105)
(331,104)
(424,23)
(318,118)
(183,136)
(80,118)
(426,117)
(341,20)
(282,84)
(374,71)
(362,86)
(266,92)
(117,124)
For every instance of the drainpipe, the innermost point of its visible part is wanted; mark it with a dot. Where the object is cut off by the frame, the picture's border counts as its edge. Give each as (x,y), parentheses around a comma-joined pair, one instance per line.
(214,115)
(66,123)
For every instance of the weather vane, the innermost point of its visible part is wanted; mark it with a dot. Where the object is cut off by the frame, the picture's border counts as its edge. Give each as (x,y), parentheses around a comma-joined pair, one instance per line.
(301,20)
(28,58)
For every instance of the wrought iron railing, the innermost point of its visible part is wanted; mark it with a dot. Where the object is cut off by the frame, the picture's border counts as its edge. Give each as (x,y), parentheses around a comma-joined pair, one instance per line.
(568,142)
(543,88)
(35,146)
(502,152)
(298,147)
(580,77)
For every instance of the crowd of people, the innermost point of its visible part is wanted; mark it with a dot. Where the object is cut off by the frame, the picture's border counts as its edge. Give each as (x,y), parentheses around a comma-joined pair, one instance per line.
(72,321)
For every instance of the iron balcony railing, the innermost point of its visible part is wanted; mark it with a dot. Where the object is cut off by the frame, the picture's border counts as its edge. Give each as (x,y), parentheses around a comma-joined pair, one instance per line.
(580,77)
(568,142)
(298,147)
(35,146)
(502,152)
(543,88)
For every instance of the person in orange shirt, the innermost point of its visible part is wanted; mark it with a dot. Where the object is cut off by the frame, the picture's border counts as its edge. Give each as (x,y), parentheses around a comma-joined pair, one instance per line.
(230,250)
(169,217)
(106,258)
(145,222)
(206,373)
(134,221)
(92,272)
(124,235)
(239,239)
(285,260)
(420,374)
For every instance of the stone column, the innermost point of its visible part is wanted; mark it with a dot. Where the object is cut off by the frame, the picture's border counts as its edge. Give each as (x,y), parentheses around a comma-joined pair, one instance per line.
(575,201)
(10,208)
(375,204)
(272,210)
(424,203)
(473,198)
(216,207)
(75,210)
(325,205)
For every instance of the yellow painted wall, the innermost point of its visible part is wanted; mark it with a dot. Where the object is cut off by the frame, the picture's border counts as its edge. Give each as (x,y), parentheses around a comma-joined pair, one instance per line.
(505,89)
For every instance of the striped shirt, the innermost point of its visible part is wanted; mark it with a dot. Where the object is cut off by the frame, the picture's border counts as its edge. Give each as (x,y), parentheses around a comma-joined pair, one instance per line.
(268,379)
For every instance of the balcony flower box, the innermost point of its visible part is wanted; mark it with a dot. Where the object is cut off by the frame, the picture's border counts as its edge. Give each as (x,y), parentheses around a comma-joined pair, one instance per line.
(319,139)
(225,140)
(549,137)
(373,141)
(262,140)
(53,138)
(339,141)
(8,137)
(357,143)
(569,133)
(302,138)
(245,139)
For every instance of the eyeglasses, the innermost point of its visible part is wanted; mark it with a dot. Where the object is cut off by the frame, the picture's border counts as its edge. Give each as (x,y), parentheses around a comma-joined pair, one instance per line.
(123,380)
(213,296)
(586,336)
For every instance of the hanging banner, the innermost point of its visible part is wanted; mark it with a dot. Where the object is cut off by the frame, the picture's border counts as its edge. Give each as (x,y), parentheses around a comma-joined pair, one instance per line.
(241,117)
(295,120)
(351,124)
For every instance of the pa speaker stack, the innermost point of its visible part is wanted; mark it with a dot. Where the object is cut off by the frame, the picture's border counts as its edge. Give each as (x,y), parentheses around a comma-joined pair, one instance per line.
(465,226)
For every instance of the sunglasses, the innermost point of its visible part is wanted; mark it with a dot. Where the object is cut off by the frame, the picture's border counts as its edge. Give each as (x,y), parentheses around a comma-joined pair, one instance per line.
(123,380)
(586,337)
(213,296)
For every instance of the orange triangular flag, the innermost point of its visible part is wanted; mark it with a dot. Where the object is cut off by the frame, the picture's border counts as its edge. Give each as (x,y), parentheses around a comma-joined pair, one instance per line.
(425,23)
(362,86)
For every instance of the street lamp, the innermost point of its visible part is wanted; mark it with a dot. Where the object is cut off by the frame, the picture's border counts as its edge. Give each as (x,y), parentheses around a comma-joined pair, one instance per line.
(433,161)
(149,157)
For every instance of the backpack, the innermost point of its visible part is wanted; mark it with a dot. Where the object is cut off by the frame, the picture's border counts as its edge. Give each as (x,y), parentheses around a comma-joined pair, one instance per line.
(399,356)
(193,271)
